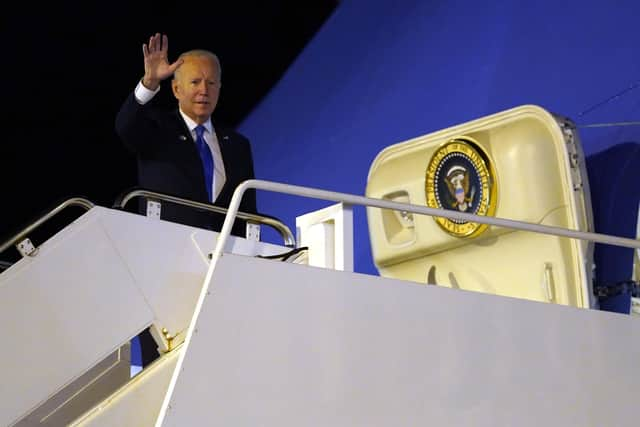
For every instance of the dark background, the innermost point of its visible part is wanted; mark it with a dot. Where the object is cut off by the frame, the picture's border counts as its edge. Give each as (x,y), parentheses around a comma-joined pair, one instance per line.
(68,67)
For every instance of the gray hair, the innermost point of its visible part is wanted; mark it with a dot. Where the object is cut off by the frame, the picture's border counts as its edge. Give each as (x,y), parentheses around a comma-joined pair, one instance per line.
(201,53)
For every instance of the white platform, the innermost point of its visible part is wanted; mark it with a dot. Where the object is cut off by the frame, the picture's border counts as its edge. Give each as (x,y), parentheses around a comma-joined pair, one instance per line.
(288,345)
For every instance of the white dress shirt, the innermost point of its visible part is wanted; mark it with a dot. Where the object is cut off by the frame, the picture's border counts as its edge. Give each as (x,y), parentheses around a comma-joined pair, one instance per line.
(144,95)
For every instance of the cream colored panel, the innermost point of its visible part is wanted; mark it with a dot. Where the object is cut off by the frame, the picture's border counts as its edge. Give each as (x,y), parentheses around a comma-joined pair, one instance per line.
(544,270)
(539,177)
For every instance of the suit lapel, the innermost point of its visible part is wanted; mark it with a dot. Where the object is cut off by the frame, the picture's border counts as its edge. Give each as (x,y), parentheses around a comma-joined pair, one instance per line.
(185,148)
(226,149)
(223,141)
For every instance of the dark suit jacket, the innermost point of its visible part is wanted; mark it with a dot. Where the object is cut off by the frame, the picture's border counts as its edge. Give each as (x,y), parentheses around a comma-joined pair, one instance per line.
(168,162)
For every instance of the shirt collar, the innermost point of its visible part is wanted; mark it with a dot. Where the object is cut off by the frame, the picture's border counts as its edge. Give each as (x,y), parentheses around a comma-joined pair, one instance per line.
(192,125)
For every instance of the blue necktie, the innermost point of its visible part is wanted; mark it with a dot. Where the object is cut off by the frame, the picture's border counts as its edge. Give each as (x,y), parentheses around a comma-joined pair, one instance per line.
(207,159)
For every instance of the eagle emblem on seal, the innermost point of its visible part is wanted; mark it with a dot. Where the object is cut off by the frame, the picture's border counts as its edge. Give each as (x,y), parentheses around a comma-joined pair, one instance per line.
(457,179)
(460,177)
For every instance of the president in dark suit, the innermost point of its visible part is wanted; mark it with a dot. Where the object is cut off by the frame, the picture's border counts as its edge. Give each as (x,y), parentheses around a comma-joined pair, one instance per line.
(183,152)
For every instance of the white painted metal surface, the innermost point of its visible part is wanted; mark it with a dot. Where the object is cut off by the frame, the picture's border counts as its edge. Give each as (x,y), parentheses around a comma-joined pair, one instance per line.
(90,388)
(354,200)
(290,345)
(328,233)
(62,312)
(169,262)
(138,402)
(89,290)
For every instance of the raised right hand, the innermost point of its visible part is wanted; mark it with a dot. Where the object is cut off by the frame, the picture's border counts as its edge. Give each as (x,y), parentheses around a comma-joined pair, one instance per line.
(156,63)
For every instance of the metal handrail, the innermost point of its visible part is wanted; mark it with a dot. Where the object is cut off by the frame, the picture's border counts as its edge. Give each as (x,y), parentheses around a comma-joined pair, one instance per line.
(407,207)
(280,227)
(74,201)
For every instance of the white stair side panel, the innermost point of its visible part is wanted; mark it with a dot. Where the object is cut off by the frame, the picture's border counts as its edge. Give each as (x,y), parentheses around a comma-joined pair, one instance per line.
(169,262)
(83,393)
(279,344)
(63,311)
(137,403)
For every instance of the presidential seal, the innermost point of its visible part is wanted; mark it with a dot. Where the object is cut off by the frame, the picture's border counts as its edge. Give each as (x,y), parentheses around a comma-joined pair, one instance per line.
(460,177)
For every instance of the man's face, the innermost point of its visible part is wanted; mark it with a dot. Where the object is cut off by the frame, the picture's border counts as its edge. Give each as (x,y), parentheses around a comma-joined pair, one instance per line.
(196,86)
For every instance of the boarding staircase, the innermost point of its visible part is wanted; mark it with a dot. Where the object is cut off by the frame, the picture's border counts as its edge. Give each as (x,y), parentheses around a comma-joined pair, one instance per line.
(256,333)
